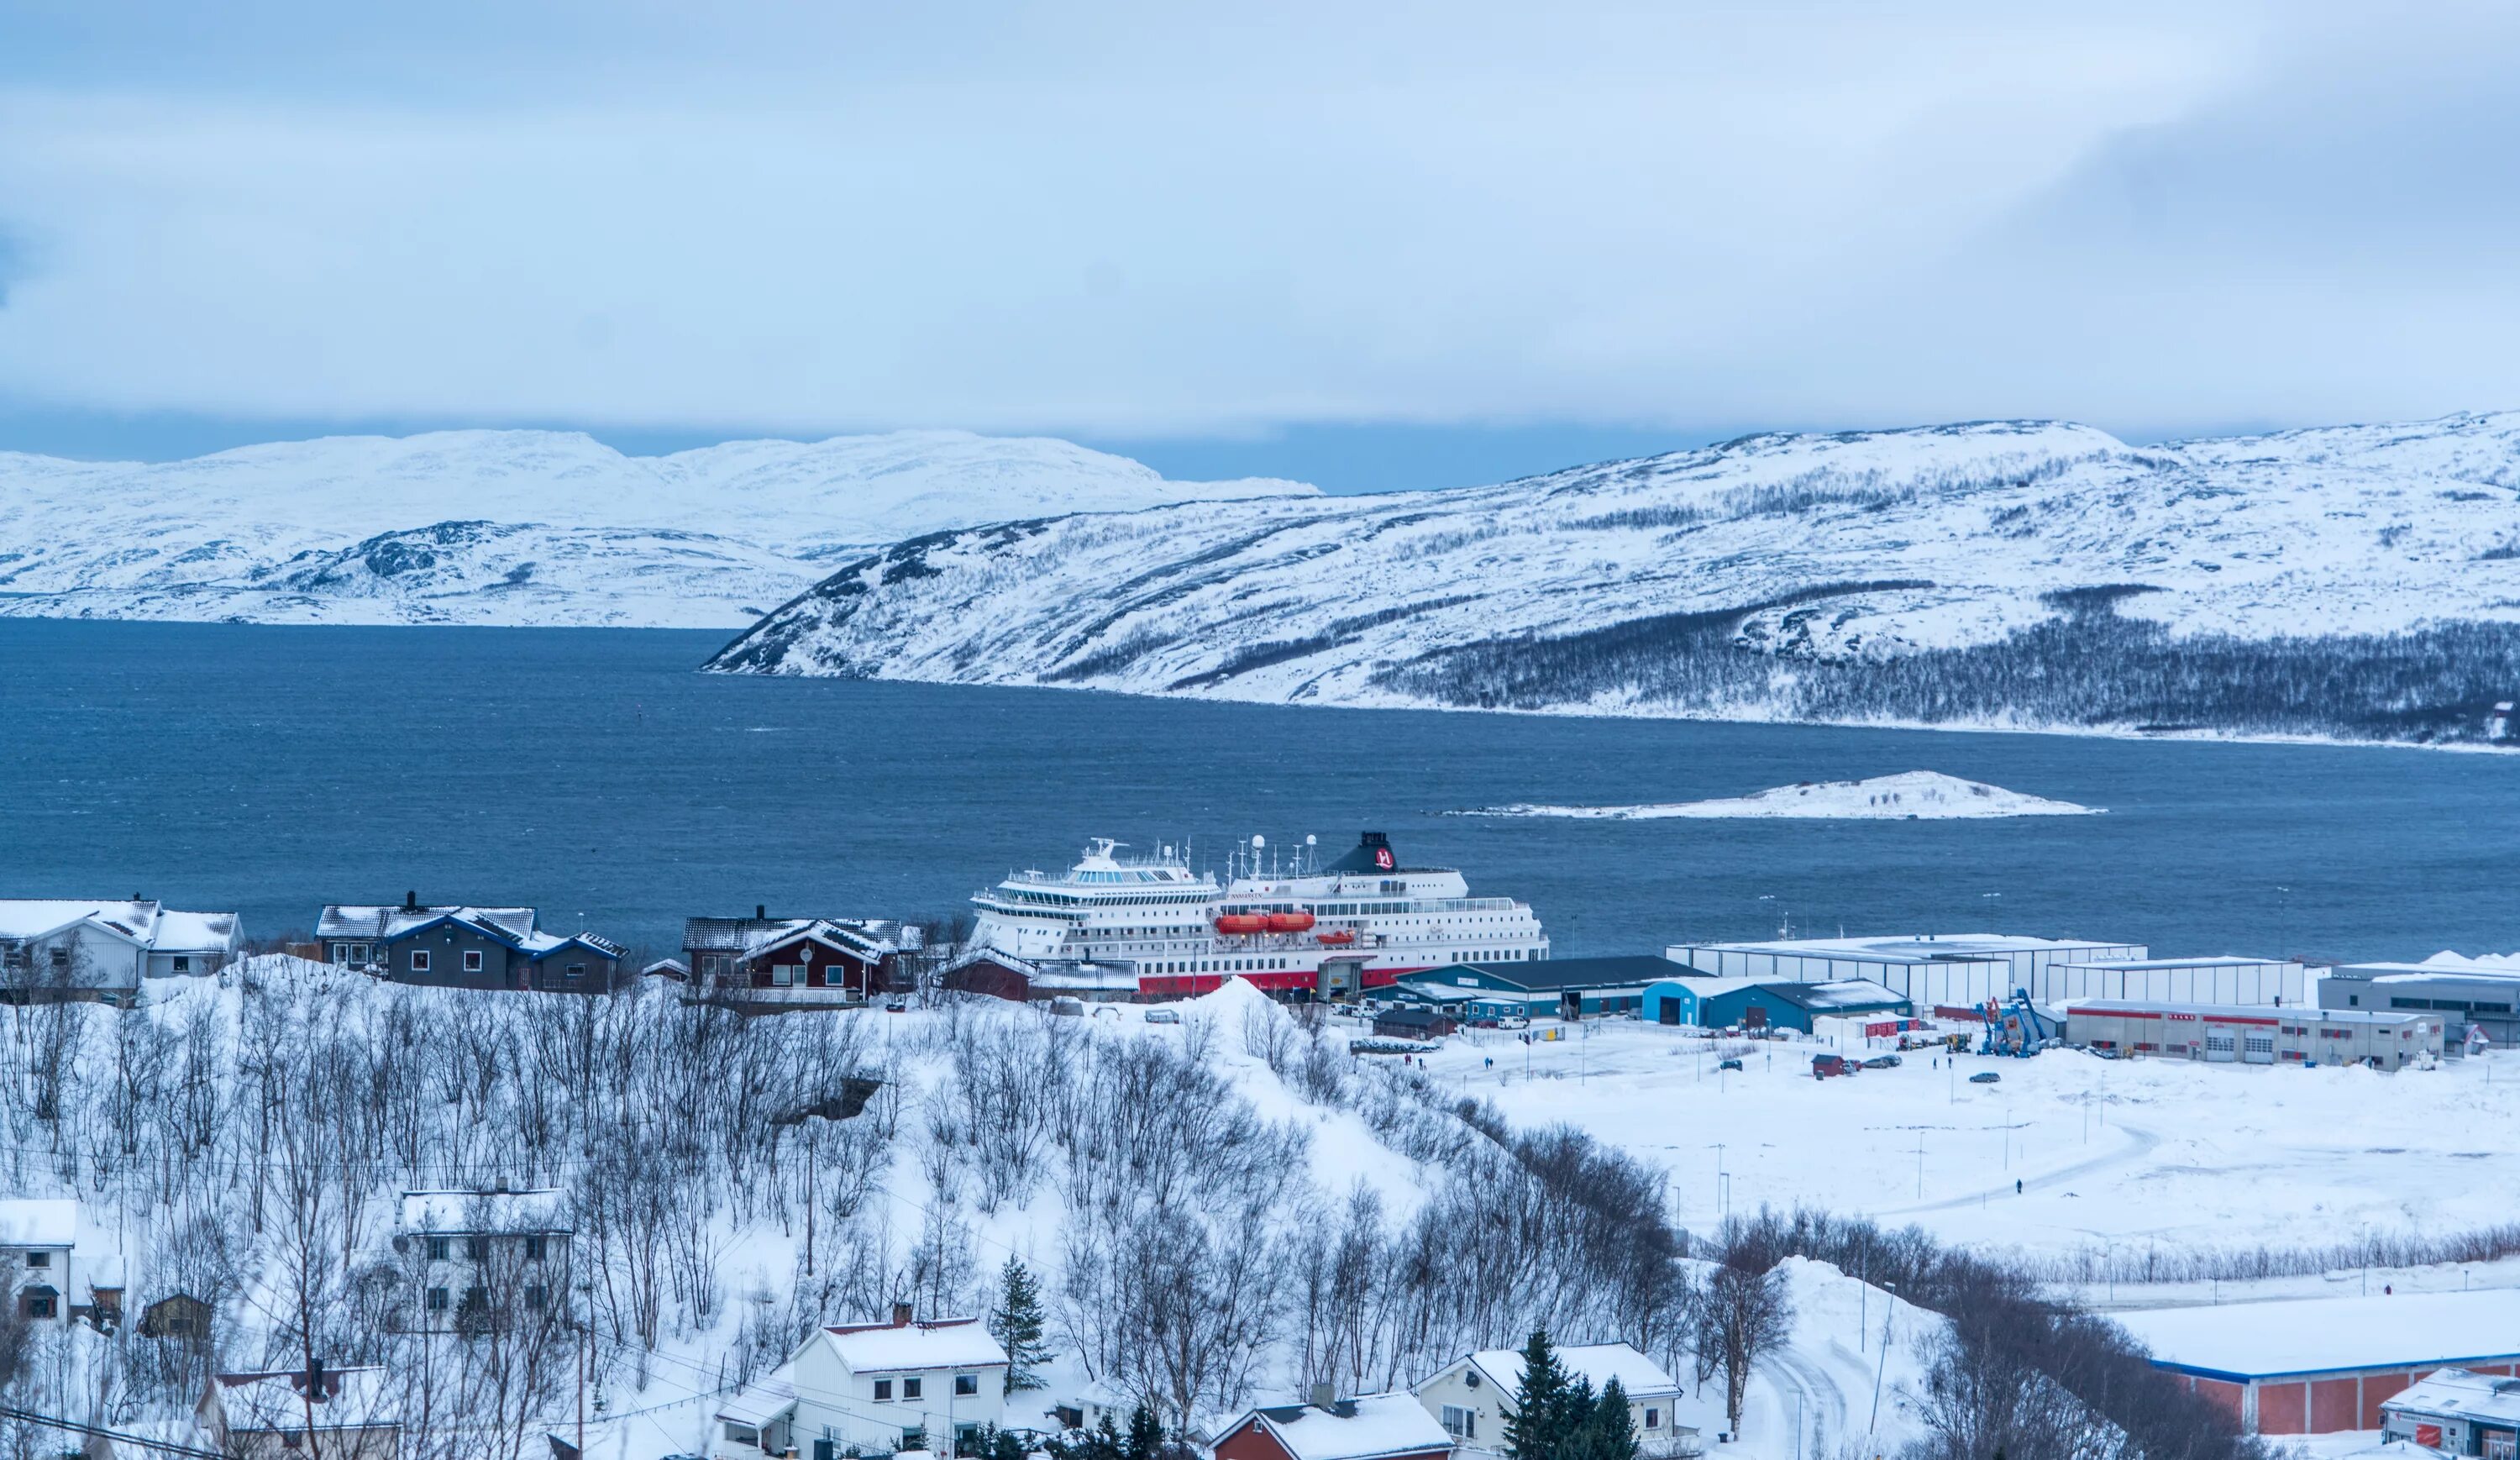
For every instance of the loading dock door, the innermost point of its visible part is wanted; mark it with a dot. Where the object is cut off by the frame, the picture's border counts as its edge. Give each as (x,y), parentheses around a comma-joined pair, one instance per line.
(1669,1010)
(2258,1049)
(2219,1047)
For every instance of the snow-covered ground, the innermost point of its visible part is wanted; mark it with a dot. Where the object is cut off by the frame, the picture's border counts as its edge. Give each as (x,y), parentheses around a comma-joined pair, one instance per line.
(518,527)
(2123,1156)
(1861,546)
(1911,795)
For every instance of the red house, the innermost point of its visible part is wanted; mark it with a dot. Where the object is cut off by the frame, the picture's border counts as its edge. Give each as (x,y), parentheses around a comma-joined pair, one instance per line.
(804,961)
(1372,1427)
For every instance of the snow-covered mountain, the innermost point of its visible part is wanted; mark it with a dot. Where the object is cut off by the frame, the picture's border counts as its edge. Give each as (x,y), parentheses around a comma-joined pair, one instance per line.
(2358,581)
(518,527)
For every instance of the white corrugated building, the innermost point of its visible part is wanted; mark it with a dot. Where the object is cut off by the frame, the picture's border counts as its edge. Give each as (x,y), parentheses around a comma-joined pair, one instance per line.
(1955,972)
(2223,980)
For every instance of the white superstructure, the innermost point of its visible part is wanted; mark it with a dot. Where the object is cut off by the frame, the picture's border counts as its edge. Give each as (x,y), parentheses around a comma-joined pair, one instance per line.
(1275,924)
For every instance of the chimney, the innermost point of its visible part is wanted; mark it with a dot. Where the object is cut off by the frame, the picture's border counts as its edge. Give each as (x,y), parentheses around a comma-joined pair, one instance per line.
(411,901)
(901,1315)
(761,912)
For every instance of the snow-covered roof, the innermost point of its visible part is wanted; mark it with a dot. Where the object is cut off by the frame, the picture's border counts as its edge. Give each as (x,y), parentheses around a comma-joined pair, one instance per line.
(883,1348)
(1929,948)
(763,1400)
(2460,1392)
(1596,1363)
(751,936)
(2250,1013)
(541,1209)
(541,945)
(138,920)
(1844,994)
(1372,1426)
(668,968)
(2418,974)
(348,920)
(2408,1331)
(355,1398)
(38,1221)
(2219,960)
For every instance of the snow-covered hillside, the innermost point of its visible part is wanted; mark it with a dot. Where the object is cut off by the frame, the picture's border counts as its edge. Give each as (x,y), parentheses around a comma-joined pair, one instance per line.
(2007,574)
(518,527)
(1911,796)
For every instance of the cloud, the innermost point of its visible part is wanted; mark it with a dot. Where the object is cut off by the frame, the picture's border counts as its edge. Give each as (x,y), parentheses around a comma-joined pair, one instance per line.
(1146,220)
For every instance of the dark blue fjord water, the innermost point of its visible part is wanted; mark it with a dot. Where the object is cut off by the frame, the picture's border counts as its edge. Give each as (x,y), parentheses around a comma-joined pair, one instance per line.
(590,772)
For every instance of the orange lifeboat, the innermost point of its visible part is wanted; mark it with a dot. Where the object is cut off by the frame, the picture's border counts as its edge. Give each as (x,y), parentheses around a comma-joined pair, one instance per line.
(1335,938)
(1290,921)
(1241,922)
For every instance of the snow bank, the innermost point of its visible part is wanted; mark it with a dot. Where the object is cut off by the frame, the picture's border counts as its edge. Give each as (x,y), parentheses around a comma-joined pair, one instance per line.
(1914,796)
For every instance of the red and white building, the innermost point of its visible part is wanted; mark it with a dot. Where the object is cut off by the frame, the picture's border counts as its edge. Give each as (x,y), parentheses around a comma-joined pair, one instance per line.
(2320,1365)
(2255,1033)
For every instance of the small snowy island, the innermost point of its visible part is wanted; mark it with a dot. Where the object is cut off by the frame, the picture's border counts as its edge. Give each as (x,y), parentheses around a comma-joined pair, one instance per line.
(1916,796)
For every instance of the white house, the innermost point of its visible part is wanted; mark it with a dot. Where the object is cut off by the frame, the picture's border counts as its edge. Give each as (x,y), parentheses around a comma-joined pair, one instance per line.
(58,1264)
(876,1388)
(56,949)
(1471,1396)
(477,1251)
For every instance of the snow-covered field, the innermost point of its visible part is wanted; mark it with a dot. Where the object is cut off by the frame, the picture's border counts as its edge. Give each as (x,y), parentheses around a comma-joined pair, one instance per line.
(518,527)
(1911,795)
(2123,1156)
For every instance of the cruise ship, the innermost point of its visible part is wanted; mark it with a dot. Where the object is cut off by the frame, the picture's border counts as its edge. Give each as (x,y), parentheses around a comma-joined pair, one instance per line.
(1285,923)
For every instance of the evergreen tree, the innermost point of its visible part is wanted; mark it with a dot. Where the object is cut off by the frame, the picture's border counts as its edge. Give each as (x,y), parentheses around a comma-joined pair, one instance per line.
(1538,1424)
(1608,1432)
(1017,1323)
(1146,1439)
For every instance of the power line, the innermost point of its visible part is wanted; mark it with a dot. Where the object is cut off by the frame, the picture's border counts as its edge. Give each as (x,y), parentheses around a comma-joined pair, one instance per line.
(119,1436)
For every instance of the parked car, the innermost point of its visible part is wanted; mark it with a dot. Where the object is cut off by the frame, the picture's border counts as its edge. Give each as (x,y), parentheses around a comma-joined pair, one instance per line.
(1985,1078)
(1728,1063)
(1163,1016)
(1824,1066)
(1882,1062)
(2097,1053)
(896,1007)
(1514,1021)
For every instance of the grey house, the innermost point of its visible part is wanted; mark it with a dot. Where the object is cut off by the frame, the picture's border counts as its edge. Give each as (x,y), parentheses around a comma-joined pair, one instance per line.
(465,947)
(107,951)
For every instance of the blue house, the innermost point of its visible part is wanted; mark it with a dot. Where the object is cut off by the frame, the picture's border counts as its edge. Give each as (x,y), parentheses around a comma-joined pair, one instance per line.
(1677,1001)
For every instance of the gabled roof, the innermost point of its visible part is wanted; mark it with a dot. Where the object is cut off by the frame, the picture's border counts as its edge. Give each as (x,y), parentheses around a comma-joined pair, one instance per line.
(1370,1426)
(352,1398)
(753,936)
(1596,1363)
(541,945)
(26,918)
(386,924)
(885,1349)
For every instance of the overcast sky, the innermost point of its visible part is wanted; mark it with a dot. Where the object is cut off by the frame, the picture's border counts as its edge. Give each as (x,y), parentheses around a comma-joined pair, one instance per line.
(1358,236)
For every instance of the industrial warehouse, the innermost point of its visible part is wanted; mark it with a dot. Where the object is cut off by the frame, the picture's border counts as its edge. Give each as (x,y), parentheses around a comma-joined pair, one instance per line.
(2255,1033)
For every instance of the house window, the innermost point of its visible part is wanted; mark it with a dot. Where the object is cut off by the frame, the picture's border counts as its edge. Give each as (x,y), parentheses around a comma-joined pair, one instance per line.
(471,960)
(39,1260)
(475,1300)
(910,1389)
(533,1247)
(577,971)
(420,960)
(1653,1418)
(966,1384)
(914,1440)
(742,1434)
(1460,1423)
(884,1389)
(437,1299)
(537,1296)
(437,1249)
(42,1305)
(474,1249)
(60,957)
(783,974)
(183,963)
